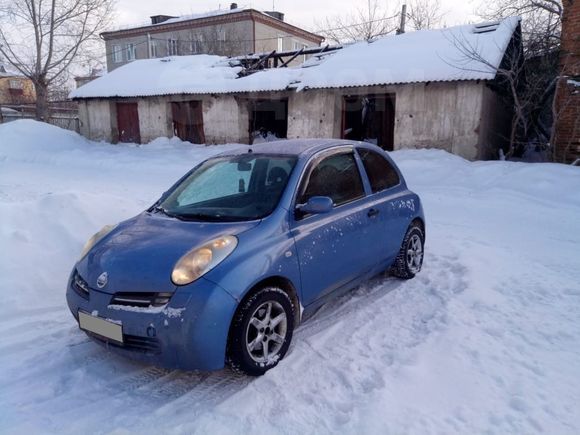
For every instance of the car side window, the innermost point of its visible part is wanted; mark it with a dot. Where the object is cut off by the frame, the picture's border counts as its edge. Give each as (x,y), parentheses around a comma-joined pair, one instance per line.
(381,173)
(337,177)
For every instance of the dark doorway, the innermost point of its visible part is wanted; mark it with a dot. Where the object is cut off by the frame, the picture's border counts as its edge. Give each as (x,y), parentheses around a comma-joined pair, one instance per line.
(369,118)
(188,121)
(268,120)
(128,122)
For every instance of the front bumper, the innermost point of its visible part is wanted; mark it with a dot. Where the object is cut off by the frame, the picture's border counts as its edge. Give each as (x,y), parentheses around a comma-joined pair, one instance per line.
(188,333)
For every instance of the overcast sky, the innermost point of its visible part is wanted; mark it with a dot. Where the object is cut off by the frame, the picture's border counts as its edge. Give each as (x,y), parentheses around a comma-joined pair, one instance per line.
(304,13)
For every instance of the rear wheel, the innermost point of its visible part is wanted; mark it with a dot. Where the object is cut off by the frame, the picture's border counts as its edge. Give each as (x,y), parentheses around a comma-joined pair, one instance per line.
(410,258)
(261,332)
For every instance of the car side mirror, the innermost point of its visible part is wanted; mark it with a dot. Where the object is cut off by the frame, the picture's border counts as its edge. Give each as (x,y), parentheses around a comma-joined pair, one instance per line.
(316,205)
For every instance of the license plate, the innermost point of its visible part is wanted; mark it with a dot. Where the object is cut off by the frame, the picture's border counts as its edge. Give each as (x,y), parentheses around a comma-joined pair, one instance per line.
(102,327)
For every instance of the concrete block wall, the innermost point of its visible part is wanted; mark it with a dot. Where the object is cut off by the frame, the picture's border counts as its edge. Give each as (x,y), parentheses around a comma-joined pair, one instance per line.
(443,115)
(313,114)
(464,118)
(225,119)
(155,118)
(96,122)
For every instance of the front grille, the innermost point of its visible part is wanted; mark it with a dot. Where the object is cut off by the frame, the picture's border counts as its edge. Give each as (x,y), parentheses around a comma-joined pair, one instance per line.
(80,286)
(142,300)
(132,342)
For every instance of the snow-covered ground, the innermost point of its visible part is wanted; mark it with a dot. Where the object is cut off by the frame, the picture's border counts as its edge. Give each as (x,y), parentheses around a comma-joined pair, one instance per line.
(485,340)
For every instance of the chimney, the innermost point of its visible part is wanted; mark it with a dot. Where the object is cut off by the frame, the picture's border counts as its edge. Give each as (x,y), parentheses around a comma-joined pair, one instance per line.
(233,6)
(275,14)
(401,28)
(156,19)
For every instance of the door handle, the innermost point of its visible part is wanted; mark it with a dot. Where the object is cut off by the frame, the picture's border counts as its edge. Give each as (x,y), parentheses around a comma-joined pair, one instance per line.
(372,212)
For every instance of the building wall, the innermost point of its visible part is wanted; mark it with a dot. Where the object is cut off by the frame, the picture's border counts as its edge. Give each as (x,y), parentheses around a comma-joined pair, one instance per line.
(96,120)
(567,123)
(442,115)
(154,118)
(463,118)
(225,119)
(446,115)
(27,95)
(245,32)
(267,41)
(205,39)
(495,125)
(313,114)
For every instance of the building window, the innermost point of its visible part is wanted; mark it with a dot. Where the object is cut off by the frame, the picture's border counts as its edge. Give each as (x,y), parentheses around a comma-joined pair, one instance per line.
(221,36)
(296,45)
(117,54)
(171,47)
(16,84)
(130,52)
(152,49)
(196,44)
(280,43)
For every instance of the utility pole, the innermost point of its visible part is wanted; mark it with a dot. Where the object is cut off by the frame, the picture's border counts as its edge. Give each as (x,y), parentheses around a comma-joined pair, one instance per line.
(401,28)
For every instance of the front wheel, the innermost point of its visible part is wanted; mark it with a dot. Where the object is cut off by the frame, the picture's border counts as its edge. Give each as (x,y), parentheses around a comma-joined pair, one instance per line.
(410,258)
(261,332)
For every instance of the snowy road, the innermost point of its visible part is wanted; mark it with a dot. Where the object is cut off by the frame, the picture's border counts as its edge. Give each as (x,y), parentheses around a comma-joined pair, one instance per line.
(485,339)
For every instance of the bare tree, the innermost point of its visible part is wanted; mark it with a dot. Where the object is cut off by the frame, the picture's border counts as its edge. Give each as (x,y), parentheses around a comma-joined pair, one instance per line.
(424,14)
(363,24)
(533,71)
(43,38)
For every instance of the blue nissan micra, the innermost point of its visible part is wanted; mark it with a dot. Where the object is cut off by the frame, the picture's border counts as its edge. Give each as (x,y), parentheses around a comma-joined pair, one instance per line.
(226,264)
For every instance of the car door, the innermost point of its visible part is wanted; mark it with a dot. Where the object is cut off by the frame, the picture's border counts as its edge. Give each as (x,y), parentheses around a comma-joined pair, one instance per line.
(387,199)
(333,248)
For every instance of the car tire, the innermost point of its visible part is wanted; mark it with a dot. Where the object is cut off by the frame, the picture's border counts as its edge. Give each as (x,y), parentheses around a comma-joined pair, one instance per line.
(410,258)
(261,332)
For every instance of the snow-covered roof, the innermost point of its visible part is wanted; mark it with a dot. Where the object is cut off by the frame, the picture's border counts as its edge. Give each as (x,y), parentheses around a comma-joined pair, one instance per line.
(422,56)
(9,71)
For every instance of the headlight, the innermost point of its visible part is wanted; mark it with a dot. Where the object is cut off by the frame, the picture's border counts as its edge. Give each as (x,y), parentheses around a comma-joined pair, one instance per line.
(98,236)
(199,261)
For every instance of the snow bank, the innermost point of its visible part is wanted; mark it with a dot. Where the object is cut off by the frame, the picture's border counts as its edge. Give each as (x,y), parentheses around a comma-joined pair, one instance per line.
(485,340)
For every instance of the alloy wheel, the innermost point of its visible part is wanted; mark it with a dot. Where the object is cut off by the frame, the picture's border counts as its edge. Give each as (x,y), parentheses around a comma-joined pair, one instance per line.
(414,254)
(266,332)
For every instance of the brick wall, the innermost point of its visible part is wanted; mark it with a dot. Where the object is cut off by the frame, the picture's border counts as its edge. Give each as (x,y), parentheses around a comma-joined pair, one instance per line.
(24,93)
(567,133)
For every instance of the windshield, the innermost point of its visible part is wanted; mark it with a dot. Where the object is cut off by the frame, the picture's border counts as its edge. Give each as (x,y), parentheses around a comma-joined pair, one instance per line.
(232,188)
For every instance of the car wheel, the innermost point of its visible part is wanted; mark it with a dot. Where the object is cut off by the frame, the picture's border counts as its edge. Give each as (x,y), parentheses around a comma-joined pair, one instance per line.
(410,258)
(261,332)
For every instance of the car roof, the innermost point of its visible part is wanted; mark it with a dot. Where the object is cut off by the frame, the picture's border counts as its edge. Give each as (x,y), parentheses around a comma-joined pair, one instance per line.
(293,147)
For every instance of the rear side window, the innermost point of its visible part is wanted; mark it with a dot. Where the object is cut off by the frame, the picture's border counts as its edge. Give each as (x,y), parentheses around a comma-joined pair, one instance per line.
(337,177)
(381,173)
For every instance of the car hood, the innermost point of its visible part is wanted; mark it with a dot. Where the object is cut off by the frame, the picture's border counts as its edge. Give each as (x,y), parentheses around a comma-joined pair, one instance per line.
(139,254)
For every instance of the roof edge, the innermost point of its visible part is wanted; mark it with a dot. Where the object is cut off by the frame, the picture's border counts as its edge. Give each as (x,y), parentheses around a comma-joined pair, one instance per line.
(251,13)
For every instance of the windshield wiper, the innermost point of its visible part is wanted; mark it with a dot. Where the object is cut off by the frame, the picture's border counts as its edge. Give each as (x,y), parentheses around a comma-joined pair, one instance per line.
(160,209)
(210,217)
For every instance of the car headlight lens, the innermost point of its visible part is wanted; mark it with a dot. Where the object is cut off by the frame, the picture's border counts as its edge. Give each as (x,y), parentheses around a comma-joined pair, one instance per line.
(96,237)
(199,261)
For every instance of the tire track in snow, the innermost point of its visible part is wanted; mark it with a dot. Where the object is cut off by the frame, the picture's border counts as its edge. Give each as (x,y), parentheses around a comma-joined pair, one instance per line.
(331,335)
(348,350)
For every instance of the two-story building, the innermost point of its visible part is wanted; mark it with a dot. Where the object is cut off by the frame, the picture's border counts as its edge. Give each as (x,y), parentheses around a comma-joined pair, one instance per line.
(15,89)
(230,32)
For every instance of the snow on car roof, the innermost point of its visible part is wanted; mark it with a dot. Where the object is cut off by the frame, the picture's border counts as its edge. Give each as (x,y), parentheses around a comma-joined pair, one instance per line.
(414,57)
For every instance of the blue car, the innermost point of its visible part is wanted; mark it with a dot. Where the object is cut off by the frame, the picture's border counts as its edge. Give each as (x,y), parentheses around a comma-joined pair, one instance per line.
(227,263)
